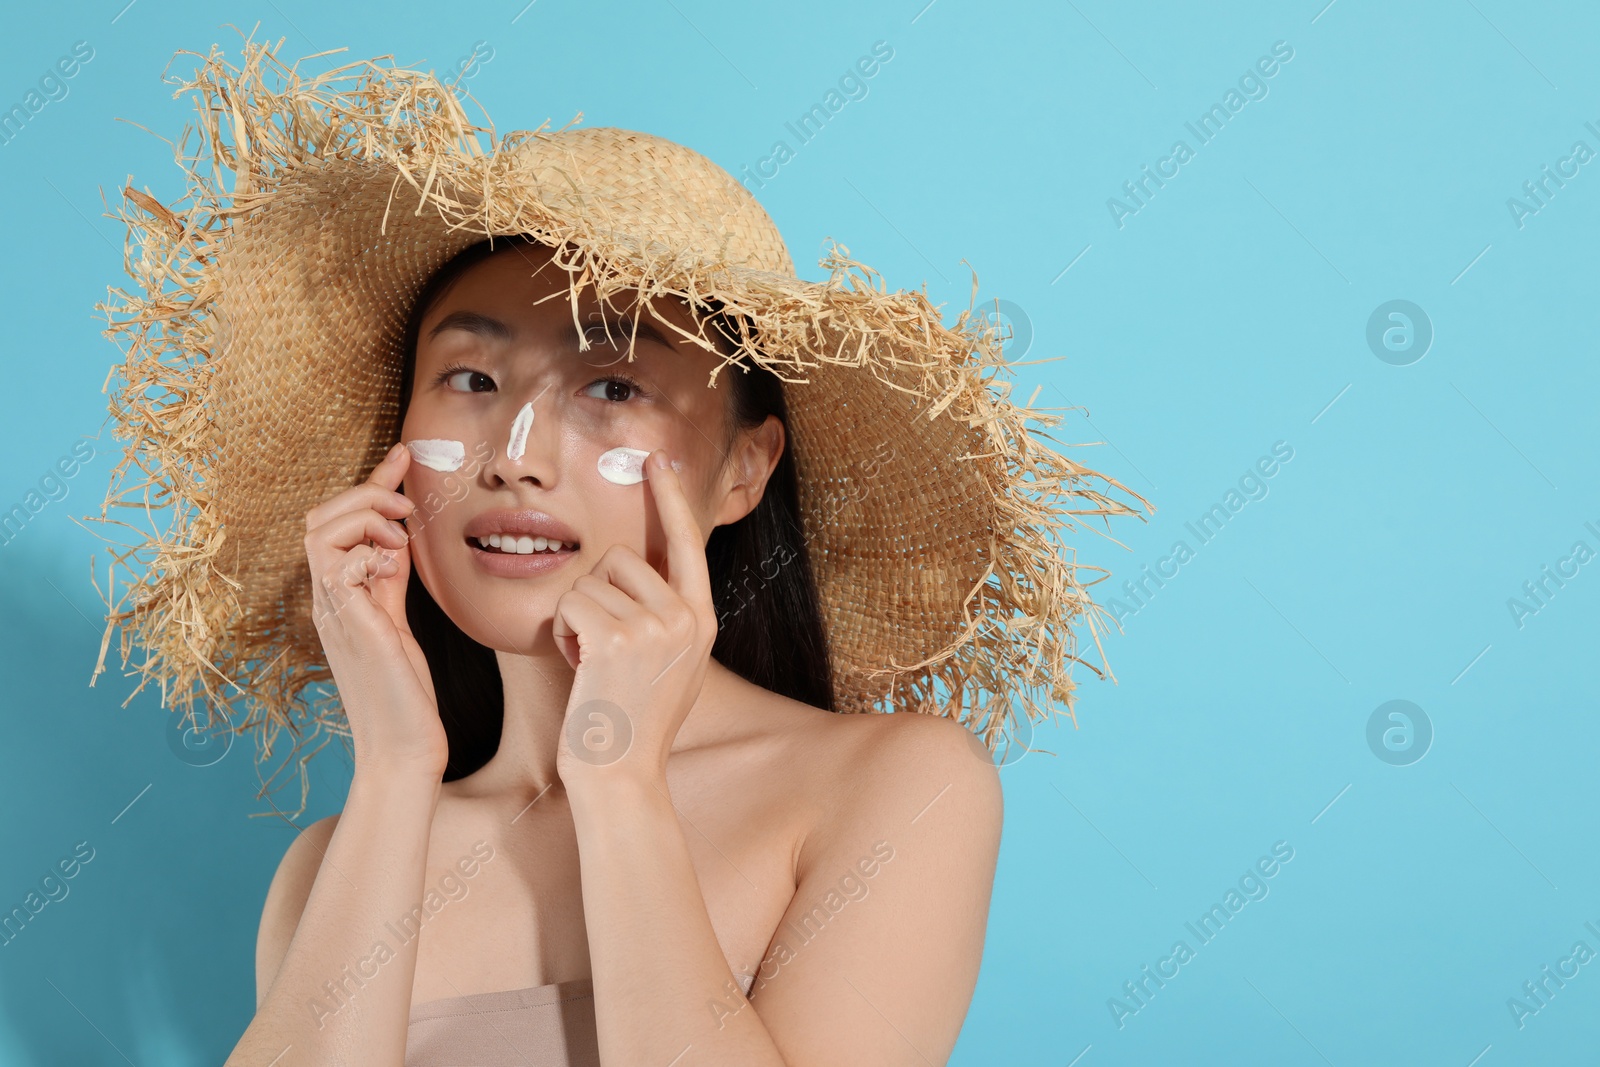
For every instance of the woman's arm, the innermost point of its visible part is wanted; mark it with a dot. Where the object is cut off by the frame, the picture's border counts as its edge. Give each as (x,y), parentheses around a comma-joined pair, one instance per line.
(639,635)
(661,983)
(343,992)
(877,955)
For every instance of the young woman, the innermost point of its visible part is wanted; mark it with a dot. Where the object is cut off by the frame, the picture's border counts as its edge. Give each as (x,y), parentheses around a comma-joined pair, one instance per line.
(619,793)
(678,853)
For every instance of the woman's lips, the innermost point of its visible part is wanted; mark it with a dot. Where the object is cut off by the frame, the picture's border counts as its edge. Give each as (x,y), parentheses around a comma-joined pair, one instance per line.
(518,564)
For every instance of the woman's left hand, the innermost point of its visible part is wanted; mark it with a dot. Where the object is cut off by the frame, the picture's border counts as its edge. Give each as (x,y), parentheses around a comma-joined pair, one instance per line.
(640,643)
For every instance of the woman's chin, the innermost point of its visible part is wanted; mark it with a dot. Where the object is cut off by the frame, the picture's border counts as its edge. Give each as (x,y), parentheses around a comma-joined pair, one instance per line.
(506,615)
(514,629)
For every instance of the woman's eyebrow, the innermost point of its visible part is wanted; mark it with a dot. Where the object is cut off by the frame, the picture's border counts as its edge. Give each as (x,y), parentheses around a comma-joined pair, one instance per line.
(622,325)
(472,322)
(477,322)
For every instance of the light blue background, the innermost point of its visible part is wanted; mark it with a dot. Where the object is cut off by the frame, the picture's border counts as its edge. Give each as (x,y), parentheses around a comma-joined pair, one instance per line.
(1229,313)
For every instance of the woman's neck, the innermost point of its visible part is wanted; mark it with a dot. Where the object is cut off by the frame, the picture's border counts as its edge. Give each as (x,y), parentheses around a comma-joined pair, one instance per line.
(536,689)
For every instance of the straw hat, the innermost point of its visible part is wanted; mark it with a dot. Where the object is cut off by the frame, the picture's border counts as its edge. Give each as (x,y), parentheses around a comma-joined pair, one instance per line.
(265,338)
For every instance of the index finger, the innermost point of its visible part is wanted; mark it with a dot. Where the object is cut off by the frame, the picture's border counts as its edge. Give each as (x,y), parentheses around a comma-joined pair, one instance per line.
(391,471)
(686,553)
(379,491)
(392,467)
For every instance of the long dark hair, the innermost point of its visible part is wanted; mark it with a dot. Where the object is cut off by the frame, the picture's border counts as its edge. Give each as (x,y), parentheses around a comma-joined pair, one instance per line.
(769,617)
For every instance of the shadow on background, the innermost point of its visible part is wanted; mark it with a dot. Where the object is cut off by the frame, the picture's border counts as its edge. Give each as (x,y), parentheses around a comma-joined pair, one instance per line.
(125,959)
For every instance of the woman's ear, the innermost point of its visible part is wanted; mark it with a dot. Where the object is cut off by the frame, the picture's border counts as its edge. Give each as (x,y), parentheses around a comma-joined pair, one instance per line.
(750,464)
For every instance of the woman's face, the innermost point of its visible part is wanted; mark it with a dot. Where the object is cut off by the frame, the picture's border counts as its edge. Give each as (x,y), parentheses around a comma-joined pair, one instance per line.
(485,350)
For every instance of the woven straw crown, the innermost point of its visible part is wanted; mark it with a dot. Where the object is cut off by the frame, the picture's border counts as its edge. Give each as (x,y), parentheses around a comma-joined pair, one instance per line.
(270,328)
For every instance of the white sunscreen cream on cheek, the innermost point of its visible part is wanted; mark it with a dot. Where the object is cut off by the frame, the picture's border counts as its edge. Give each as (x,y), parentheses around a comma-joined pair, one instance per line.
(440,454)
(625,466)
(519,432)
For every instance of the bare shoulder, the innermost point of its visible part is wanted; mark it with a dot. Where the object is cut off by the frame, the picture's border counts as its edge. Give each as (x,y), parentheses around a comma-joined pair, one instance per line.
(901,771)
(286,899)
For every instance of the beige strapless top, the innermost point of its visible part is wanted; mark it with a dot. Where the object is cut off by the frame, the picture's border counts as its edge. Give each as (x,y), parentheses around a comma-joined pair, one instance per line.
(540,1026)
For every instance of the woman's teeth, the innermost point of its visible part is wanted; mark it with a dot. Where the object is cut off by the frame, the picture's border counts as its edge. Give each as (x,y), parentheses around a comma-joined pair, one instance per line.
(522,545)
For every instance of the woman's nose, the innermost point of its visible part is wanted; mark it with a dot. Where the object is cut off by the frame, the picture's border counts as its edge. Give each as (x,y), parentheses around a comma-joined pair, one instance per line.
(516,461)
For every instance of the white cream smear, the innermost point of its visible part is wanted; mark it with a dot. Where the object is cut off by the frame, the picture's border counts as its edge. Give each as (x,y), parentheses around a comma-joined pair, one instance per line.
(519,431)
(624,466)
(440,454)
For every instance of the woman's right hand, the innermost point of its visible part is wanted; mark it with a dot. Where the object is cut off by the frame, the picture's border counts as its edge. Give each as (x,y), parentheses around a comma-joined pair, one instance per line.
(359,609)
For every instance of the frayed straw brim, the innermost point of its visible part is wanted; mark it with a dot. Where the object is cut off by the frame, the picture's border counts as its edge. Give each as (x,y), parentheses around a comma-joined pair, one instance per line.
(263,338)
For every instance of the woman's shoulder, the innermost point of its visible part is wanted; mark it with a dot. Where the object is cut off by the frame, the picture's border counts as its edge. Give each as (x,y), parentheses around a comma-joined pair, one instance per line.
(858,772)
(827,736)
(843,744)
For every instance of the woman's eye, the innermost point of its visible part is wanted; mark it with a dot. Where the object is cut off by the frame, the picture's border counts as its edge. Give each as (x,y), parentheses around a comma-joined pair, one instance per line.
(469,381)
(617,390)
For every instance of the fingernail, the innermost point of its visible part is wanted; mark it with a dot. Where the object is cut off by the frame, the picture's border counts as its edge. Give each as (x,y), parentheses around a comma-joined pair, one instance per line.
(395,451)
(661,460)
